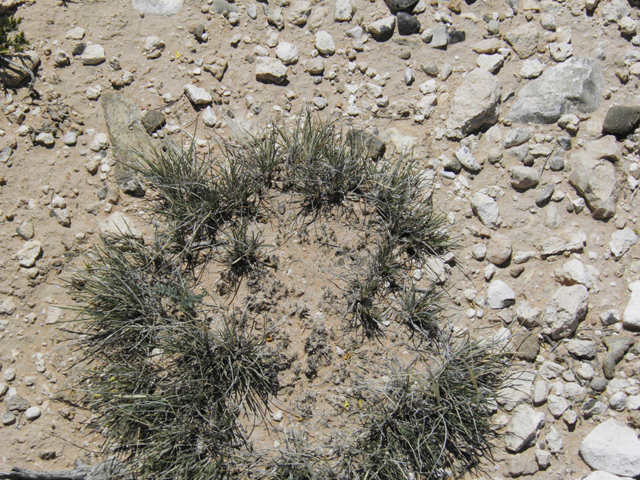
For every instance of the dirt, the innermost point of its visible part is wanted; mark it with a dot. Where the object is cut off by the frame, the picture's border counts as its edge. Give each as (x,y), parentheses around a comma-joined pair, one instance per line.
(301,299)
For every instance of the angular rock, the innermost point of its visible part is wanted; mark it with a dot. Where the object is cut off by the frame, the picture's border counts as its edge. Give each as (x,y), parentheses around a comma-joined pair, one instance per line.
(612,447)
(574,272)
(93,55)
(287,53)
(407,24)
(582,348)
(116,226)
(523,428)
(523,178)
(516,137)
(487,210)
(299,13)
(631,317)
(157,7)
(524,40)
(566,309)
(152,120)
(16,404)
(622,241)
(545,194)
(531,69)
(440,37)
(493,63)
(270,70)
(500,295)
(382,29)
(343,10)
(621,120)
(363,140)
(29,254)
(153,47)
(527,315)
(499,249)
(560,51)
(197,95)
(516,390)
(597,173)
(476,103)
(570,241)
(574,86)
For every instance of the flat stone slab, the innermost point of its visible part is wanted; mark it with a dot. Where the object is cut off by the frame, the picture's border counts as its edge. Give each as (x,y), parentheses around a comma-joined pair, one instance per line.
(157,7)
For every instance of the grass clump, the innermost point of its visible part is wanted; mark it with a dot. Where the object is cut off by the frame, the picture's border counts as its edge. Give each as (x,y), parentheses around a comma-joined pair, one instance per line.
(166,386)
(435,423)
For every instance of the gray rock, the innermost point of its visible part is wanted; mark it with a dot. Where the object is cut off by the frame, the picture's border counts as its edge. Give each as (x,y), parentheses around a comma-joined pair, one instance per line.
(375,147)
(397,5)
(93,55)
(430,68)
(527,348)
(622,241)
(299,13)
(548,22)
(70,139)
(616,349)
(524,40)
(32,413)
(523,428)
(569,241)
(440,37)
(452,165)
(566,309)
(527,315)
(618,401)
(560,51)
(252,11)
(612,447)
(597,173)
(409,76)
(152,120)
(493,63)
(197,95)
(270,70)
(324,43)
(621,120)
(556,163)
(513,4)
(343,10)
(129,140)
(516,390)
(540,393)
(8,418)
(573,86)
(531,69)
(598,384)
(523,178)
(476,103)
(631,316)
(157,7)
(467,160)
(500,295)
(16,404)
(382,29)
(516,137)
(407,23)
(487,210)
(118,225)
(545,194)
(25,230)
(12,76)
(543,458)
(574,272)
(582,348)
(610,317)
(554,441)
(29,253)
(274,16)
(499,249)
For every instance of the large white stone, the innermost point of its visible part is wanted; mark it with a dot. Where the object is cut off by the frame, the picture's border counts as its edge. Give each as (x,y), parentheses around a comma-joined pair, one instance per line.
(500,295)
(566,309)
(287,53)
(324,43)
(612,447)
(487,210)
(523,428)
(631,318)
(622,241)
(600,475)
(197,95)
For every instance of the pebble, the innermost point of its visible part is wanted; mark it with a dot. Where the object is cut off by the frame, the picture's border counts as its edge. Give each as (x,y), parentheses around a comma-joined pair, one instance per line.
(32,413)
(153,47)
(382,28)
(70,139)
(287,53)
(93,55)
(407,24)
(197,95)
(324,43)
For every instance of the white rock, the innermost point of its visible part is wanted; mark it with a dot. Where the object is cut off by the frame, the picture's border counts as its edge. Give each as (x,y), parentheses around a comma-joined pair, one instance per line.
(270,70)
(29,253)
(209,117)
(554,441)
(618,401)
(76,33)
(93,93)
(153,47)
(468,161)
(633,402)
(382,27)
(631,317)
(93,55)
(343,10)
(500,295)
(582,348)
(600,475)
(499,249)
(46,139)
(493,63)
(614,448)
(540,392)
(70,139)
(487,210)
(197,95)
(622,241)
(8,307)
(517,390)
(118,225)
(566,309)
(32,413)
(287,53)
(527,315)
(574,272)
(324,43)
(557,405)
(427,105)
(523,428)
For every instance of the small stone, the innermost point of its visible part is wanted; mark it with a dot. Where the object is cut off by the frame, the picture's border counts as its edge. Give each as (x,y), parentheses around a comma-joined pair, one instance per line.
(270,70)
(29,253)
(622,241)
(343,10)
(8,418)
(93,55)
(545,194)
(70,139)
(16,404)
(499,250)
(618,401)
(46,139)
(557,405)
(543,458)
(32,413)
(153,47)
(598,384)
(621,120)
(467,159)
(616,349)
(152,120)
(631,317)
(324,43)
(582,348)
(76,33)
(560,51)
(61,59)
(287,53)
(493,63)
(548,22)
(383,28)
(516,137)
(197,95)
(440,37)
(407,24)
(118,225)
(531,69)
(523,178)
(500,295)
(25,230)
(209,117)
(566,309)
(523,428)
(486,209)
